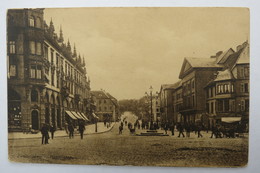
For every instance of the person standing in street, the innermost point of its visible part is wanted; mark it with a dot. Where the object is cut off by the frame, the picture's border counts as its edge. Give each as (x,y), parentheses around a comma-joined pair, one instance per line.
(52,130)
(120,129)
(172,128)
(45,134)
(199,128)
(180,128)
(81,129)
(187,129)
(71,130)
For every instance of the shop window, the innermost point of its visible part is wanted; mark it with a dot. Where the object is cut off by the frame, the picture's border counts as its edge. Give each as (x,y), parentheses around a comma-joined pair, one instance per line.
(12,46)
(34,96)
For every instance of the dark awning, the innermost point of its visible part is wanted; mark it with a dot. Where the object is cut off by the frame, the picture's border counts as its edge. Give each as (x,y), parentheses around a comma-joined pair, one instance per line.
(70,115)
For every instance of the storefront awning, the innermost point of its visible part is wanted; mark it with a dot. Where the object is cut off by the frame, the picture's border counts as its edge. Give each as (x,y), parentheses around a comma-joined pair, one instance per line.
(76,115)
(95,116)
(70,115)
(84,116)
(230,119)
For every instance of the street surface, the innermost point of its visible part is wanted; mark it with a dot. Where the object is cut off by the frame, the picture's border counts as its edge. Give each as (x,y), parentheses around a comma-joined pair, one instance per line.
(110,148)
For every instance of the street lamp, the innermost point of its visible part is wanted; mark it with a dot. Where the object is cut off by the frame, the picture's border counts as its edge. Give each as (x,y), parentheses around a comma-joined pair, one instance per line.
(151,97)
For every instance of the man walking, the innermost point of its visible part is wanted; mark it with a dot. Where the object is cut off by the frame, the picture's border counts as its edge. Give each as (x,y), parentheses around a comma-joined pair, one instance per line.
(52,130)
(81,129)
(180,128)
(45,134)
(71,130)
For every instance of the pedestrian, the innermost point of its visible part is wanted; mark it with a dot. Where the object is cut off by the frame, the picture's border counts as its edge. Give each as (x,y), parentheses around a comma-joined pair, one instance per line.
(81,129)
(52,130)
(45,134)
(122,124)
(199,128)
(125,123)
(213,132)
(180,128)
(166,128)
(71,130)
(172,128)
(187,129)
(120,129)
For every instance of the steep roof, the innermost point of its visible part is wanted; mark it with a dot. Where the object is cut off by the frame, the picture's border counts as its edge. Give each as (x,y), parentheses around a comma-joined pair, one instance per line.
(244,56)
(202,62)
(171,86)
(224,75)
(99,94)
(224,56)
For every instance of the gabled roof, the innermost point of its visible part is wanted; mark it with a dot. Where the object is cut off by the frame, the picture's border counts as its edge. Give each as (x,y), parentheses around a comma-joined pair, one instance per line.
(192,62)
(224,75)
(224,56)
(244,56)
(99,94)
(171,86)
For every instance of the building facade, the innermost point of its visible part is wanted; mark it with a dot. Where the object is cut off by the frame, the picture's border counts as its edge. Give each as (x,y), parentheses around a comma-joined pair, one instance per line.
(106,106)
(45,79)
(228,93)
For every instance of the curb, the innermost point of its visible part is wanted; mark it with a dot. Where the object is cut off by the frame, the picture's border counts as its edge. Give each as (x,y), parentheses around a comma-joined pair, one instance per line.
(67,135)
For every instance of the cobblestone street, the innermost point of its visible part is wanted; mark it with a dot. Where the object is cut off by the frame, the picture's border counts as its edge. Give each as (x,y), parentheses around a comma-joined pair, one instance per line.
(113,149)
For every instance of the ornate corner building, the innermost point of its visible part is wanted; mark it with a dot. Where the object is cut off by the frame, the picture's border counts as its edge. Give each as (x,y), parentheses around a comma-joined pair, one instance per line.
(45,78)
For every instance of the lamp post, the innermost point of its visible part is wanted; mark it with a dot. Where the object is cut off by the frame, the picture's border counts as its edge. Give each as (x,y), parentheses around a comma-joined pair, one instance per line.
(151,99)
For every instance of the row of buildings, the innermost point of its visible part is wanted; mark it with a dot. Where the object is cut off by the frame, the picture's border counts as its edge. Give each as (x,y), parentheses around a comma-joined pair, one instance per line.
(210,90)
(47,80)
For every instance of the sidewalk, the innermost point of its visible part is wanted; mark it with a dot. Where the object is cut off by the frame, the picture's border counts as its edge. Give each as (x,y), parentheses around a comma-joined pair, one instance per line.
(90,129)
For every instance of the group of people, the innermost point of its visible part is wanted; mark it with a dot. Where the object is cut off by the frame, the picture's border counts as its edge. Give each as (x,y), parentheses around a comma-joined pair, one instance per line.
(69,128)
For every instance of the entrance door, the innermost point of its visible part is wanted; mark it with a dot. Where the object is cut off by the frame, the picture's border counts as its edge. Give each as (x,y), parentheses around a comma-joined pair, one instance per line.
(35,120)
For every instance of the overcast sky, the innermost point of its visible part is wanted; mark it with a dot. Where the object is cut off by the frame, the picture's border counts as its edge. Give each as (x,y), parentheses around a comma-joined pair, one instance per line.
(128,49)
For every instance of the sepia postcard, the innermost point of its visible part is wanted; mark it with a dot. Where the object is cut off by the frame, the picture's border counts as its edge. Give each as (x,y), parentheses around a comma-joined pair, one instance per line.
(146,86)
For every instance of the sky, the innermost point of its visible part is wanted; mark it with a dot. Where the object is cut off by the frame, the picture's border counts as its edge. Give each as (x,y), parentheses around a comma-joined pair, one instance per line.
(127,50)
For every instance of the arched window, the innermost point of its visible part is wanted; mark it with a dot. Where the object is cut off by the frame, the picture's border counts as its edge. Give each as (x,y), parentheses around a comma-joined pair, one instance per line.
(31,21)
(38,22)
(34,96)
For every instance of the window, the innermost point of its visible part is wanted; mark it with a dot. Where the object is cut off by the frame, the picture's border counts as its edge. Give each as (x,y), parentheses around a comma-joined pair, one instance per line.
(46,52)
(242,88)
(232,106)
(57,60)
(38,48)
(105,101)
(99,108)
(39,72)
(247,105)
(105,108)
(246,87)
(52,58)
(219,89)
(58,82)
(12,70)
(110,108)
(242,105)
(31,22)
(33,71)
(99,101)
(12,47)
(212,108)
(242,72)
(34,96)
(193,101)
(32,47)
(226,105)
(207,107)
(38,22)
(52,79)
(232,88)
(246,71)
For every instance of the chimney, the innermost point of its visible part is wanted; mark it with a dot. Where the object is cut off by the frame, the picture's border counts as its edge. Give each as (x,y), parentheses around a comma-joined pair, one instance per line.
(239,47)
(219,53)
